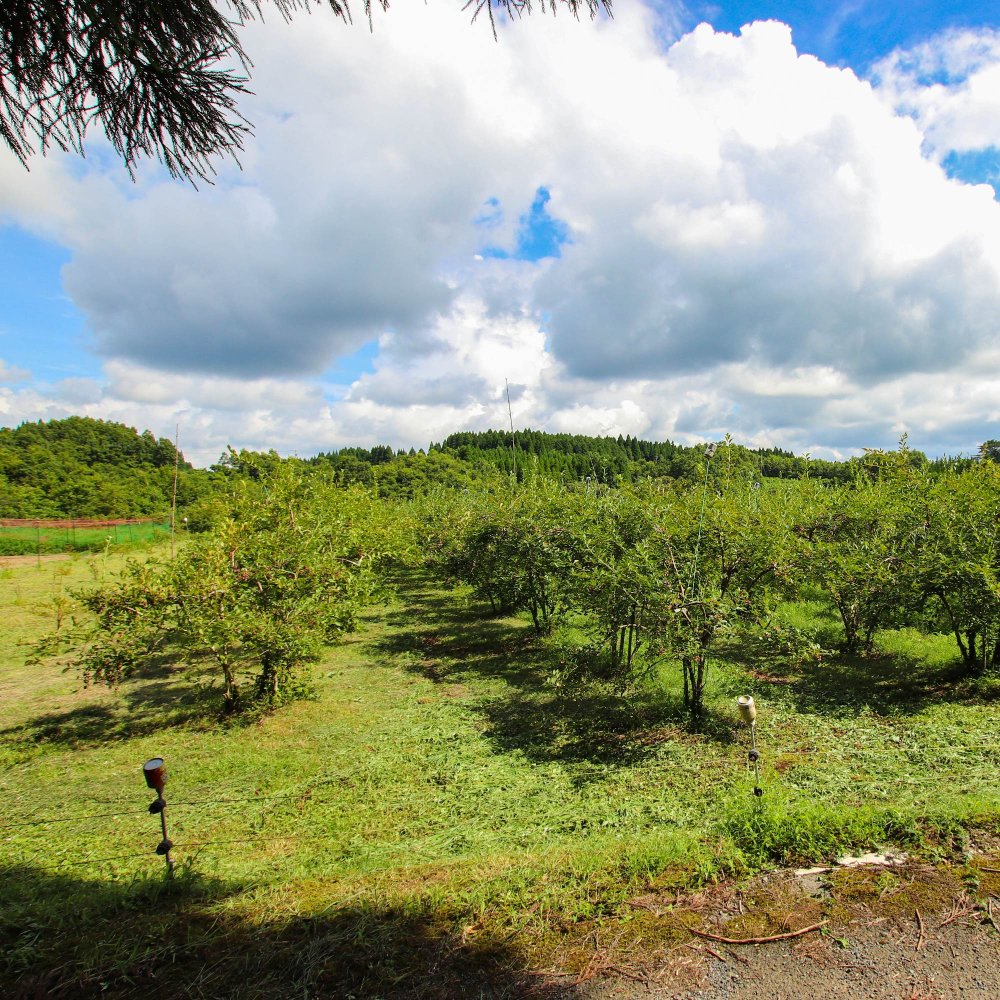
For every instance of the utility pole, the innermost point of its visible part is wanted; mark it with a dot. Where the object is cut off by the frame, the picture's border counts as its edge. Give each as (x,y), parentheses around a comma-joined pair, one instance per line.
(173,498)
(513,441)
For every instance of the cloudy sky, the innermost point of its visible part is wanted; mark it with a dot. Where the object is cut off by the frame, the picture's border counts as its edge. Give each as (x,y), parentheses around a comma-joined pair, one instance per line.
(777,220)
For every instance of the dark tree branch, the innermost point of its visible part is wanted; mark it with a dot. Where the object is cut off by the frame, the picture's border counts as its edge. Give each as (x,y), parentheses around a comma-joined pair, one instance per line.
(161,78)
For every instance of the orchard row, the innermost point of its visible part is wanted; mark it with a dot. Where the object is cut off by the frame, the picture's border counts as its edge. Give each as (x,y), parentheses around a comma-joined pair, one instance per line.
(657,572)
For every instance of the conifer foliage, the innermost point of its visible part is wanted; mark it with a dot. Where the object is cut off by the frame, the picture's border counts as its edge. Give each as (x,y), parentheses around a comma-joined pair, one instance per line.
(161,78)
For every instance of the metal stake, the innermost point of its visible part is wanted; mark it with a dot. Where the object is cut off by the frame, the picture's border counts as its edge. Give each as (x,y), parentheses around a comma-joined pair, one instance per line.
(748,713)
(155,773)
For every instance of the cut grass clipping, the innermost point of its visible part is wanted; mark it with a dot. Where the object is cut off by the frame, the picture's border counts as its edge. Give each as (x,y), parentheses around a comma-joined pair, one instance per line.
(441,819)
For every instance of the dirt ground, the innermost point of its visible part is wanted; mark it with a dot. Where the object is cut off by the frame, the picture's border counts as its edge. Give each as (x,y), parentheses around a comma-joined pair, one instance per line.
(958,961)
(14,561)
(904,932)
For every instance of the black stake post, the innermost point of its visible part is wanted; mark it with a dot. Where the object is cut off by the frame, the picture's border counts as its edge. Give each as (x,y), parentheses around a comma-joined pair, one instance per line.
(155,773)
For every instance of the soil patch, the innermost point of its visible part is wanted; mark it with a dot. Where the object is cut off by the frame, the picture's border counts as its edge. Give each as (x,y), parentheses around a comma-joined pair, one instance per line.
(14,561)
(913,932)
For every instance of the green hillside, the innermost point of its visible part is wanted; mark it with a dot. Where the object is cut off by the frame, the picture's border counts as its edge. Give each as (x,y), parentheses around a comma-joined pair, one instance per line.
(85,468)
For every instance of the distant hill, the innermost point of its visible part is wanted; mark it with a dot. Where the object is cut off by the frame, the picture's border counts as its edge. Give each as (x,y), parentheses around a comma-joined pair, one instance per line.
(614,459)
(81,467)
(568,457)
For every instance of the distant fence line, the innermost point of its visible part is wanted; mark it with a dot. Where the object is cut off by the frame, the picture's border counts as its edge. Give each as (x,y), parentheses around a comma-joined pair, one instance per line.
(76,522)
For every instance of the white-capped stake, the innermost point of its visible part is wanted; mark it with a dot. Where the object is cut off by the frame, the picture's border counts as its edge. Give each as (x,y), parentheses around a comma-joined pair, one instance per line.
(748,710)
(748,713)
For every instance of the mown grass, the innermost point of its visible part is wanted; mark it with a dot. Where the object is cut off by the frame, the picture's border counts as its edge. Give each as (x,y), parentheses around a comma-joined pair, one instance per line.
(442,819)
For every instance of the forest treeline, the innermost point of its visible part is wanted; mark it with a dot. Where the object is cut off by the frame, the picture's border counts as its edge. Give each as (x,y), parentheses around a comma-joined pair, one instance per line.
(85,468)
(82,467)
(565,457)
(610,461)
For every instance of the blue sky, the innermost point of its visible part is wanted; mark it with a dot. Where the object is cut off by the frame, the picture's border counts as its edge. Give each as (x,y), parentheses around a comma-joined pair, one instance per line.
(854,33)
(399,234)
(41,330)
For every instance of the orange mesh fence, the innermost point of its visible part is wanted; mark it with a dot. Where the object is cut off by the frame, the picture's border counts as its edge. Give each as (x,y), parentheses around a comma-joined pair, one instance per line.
(16,522)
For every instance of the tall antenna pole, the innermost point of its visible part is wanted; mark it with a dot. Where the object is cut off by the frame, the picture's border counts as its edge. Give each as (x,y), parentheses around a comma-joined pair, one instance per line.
(513,441)
(709,454)
(173,498)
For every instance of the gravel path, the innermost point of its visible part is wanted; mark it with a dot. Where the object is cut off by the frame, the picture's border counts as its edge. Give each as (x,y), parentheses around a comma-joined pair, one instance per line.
(884,947)
(958,961)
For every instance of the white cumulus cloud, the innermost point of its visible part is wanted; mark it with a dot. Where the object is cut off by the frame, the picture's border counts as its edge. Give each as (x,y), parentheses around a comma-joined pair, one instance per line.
(757,242)
(950,84)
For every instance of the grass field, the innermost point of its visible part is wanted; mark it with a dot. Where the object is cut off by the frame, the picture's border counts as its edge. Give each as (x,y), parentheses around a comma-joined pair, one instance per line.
(442,820)
(15,541)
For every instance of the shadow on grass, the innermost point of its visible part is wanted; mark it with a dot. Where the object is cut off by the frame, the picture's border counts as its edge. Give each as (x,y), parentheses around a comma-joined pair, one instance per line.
(885,684)
(421,594)
(159,697)
(444,637)
(69,936)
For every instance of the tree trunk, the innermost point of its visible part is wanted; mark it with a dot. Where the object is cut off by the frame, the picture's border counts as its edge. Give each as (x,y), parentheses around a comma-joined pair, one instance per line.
(267,680)
(698,686)
(966,643)
(974,653)
(850,627)
(619,647)
(231,696)
(694,684)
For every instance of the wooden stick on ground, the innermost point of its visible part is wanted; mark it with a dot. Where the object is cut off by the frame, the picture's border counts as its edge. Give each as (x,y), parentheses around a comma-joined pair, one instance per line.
(711,951)
(960,907)
(920,939)
(636,977)
(759,940)
(989,913)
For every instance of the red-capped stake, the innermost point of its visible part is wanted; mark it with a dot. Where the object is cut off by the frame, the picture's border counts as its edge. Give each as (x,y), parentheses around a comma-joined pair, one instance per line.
(155,773)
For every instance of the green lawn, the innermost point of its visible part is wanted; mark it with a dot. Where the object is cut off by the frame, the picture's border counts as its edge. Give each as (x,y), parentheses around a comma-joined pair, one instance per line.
(442,818)
(47,540)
